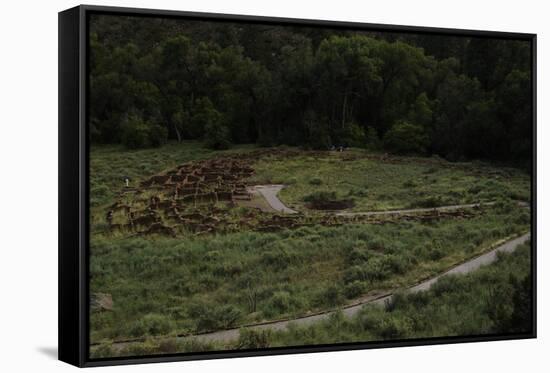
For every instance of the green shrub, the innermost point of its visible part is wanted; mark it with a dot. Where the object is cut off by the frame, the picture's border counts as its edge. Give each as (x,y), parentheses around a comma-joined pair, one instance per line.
(216,134)
(276,259)
(253,339)
(152,324)
(394,327)
(228,269)
(318,136)
(428,202)
(194,345)
(168,346)
(139,133)
(406,138)
(331,296)
(354,289)
(210,316)
(363,192)
(372,139)
(280,302)
(320,196)
(395,301)
(396,264)
(376,269)
(138,349)
(354,274)
(316,181)
(102,351)
(352,135)
(358,256)
(435,251)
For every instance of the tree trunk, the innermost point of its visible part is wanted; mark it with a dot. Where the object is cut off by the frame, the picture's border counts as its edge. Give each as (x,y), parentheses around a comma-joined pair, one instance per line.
(344,110)
(178,135)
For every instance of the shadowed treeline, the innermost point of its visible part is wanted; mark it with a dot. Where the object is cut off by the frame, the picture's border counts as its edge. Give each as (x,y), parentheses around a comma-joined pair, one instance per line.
(156,79)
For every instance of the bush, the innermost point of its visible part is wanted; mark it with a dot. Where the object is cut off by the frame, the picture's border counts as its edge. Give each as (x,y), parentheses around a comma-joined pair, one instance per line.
(358,255)
(394,302)
(406,138)
(394,327)
(435,251)
(152,324)
(138,133)
(216,136)
(102,351)
(158,135)
(352,135)
(216,133)
(319,197)
(318,136)
(277,260)
(376,269)
(428,202)
(280,302)
(209,316)
(316,181)
(397,264)
(372,139)
(354,289)
(331,296)
(354,274)
(253,339)
(144,348)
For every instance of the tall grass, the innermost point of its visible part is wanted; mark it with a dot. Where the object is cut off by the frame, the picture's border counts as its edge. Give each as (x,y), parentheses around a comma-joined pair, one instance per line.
(199,284)
(495,299)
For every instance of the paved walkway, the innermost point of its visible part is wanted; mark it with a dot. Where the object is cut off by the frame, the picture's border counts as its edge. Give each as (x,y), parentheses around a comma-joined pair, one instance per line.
(412,211)
(269,192)
(351,310)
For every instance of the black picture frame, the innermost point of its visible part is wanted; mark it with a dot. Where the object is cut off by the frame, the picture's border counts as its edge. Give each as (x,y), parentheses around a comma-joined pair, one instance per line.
(73,251)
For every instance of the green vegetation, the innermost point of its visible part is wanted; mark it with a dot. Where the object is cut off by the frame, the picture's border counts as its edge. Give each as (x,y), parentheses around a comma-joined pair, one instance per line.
(209,283)
(494,299)
(164,286)
(373,182)
(457,97)
(138,133)
(189,248)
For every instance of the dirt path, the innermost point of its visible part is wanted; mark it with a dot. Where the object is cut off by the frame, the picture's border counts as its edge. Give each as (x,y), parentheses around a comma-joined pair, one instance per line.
(269,192)
(352,309)
(417,210)
(466,267)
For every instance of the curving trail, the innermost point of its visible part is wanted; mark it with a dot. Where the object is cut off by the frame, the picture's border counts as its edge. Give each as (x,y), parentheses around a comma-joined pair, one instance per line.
(417,210)
(466,267)
(269,192)
(352,309)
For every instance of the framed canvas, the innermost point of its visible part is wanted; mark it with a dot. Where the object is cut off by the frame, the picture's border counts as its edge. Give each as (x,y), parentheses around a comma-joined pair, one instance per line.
(240,186)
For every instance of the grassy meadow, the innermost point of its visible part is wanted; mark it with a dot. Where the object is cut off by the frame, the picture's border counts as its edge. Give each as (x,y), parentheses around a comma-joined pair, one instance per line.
(378,182)
(456,305)
(167,286)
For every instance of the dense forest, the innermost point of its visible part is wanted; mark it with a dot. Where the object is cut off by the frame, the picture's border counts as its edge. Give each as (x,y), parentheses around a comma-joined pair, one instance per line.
(153,80)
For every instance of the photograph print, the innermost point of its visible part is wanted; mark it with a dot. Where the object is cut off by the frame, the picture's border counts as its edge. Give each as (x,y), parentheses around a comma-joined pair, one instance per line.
(258,185)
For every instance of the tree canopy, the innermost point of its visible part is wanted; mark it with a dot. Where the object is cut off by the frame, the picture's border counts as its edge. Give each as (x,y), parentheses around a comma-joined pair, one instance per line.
(154,80)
